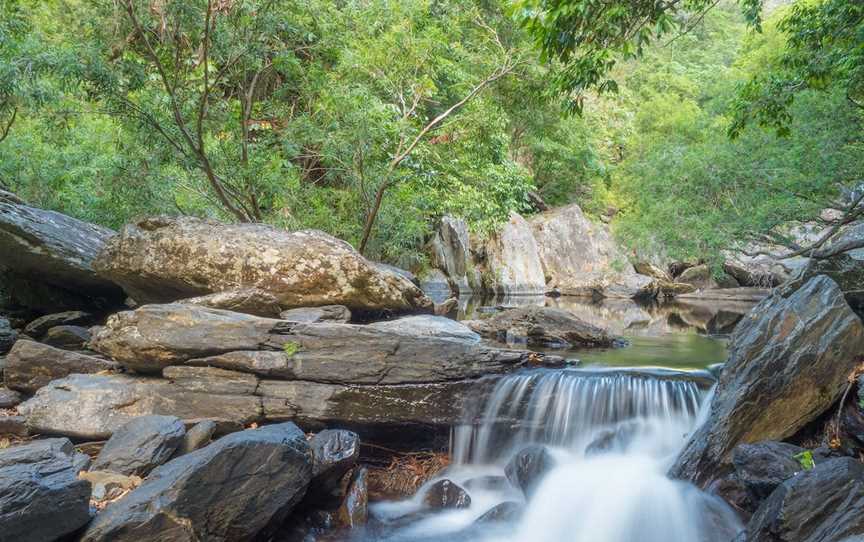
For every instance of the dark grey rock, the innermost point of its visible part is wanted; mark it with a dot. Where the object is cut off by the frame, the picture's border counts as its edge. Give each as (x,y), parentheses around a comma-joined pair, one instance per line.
(141,445)
(763,466)
(198,436)
(41,497)
(38,327)
(31,365)
(231,490)
(507,511)
(338,314)
(427,325)
(67,337)
(528,467)
(335,452)
(353,512)
(57,249)
(446,494)
(542,326)
(843,269)
(248,301)
(824,504)
(13,425)
(9,398)
(788,363)
(8,336)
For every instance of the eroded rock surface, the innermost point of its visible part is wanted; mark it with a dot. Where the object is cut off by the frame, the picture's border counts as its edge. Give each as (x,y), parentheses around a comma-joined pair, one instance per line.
(31,365)
(542,326)
(248,301)
(140,445)
(513,264)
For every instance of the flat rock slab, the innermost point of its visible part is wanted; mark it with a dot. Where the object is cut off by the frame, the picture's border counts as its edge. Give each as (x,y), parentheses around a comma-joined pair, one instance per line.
(337,314)
(542,326)
(248,301)
(230,490)
(141,445)
(41,325)
(425,325)
(31,365)
(41,497)
(789,360)
(163,259)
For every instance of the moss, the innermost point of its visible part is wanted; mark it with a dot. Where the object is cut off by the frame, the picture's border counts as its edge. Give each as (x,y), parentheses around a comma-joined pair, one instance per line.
(291,348)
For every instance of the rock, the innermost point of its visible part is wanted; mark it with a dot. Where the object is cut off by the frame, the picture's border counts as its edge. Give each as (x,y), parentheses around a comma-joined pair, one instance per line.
(353,512)
(31,365)
(92,407)
(429,326)
(753,275)
(446,494)
(337,314)
(763,466)
(38,327)
(788,362)
(580,257)
(732,295)
(543,327)
(676,268)
(8,336)
(9,197)
(41,497)
(726,281)
(156,336)
(9,398)
(13,425)
(198,436)
(617,438)
(845,270)
(335,452)
(650,270)
(528,467)
(507,511)
(448,308)
(398,271)
(820,505)
(252,301)
(449,251)
(162,259)
(108,486)
(57,249)
(699,276)
(231,490)
(488,482)
(67,337)
(436,285)
(513,264)
(141,445)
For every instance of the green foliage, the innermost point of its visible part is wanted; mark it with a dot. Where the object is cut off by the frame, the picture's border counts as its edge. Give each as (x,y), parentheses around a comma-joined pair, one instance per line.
(290,348)
(805,458)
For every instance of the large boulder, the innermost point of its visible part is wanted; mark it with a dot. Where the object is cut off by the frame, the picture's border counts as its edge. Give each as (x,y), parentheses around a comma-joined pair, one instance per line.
(156,336)
(789,361)
(164,259)
(56,251)
(580,257)
(141,445)
(824,504)
(527,468)
(512,260)
(449,251)
(252,301)
(542,326)
(231,490)
(763,466)
(846,271)
(699,276)
(31,365)
(335,453)
(92,407)
(41,497)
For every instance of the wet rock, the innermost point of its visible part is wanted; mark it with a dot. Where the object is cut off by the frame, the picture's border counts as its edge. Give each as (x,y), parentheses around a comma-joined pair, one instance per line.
(59,251)
(198,436)
(31,365)
(528,467)
(92,407)
(617,439)
(819,505)
(338,314)
(41,497)
(699,276)
(8,336)
(9,398)
(108,486)
(38,327)
(763,466)
(67,337)
(512,259)
(140,445)
(151,260)
(543,327)
(449,251)
(13,425)
(156,336)
(446,494)
(247,301)
(335,452)
(429,326)
(580,257)
(353,512)
(507,511)
(846,271)
(788,362)
(199,497)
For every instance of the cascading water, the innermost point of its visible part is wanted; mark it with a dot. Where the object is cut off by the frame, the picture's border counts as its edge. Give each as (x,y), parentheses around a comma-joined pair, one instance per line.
(613,434)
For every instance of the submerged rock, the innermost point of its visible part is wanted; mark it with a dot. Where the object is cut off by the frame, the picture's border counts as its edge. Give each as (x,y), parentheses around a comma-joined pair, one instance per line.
(542,326)
(163,259)
(57,251)
(231,490)
(788,362)
(820,505)
(140,445)
(41,496)
(528,467)
(31,365)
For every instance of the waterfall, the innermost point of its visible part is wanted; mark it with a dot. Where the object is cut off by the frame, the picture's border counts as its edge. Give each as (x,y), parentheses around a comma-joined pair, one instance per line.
(613,433)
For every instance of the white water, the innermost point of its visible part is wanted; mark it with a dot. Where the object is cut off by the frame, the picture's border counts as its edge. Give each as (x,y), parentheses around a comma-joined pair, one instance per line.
(617,492)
